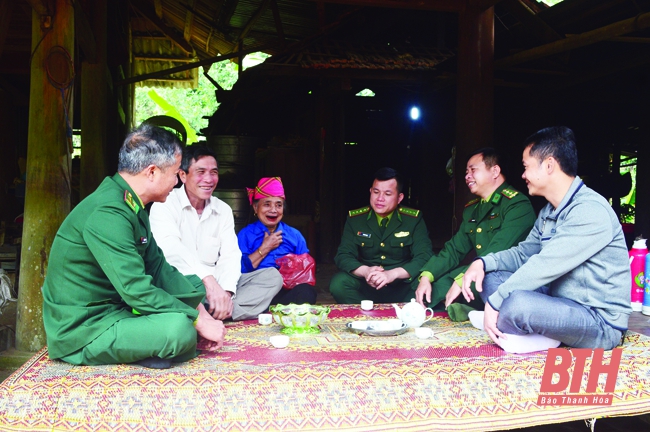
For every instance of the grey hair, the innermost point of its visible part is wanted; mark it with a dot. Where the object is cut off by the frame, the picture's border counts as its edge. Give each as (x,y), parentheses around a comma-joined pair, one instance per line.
(148,145)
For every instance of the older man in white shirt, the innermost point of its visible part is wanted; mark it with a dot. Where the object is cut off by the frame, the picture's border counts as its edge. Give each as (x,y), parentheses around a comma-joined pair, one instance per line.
(196,232)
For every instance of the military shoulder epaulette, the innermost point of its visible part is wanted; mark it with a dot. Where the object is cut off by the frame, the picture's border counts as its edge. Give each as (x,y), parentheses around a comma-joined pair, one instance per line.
(128,199)
(472,202)
(509,193)
(409,211)
(359,211)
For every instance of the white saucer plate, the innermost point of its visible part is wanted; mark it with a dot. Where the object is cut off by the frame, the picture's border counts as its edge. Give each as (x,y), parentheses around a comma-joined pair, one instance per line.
(390,327)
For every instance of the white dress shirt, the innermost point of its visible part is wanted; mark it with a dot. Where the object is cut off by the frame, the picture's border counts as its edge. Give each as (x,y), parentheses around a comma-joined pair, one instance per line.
(202,245)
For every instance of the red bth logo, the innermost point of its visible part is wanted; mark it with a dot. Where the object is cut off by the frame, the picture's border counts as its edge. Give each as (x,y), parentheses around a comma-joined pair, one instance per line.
(557,377)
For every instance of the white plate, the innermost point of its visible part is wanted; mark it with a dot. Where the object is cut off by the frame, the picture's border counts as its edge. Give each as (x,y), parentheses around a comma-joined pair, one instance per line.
(390,327)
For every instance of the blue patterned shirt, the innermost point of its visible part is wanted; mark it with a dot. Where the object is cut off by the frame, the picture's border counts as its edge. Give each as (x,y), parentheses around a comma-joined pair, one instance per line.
(250,239)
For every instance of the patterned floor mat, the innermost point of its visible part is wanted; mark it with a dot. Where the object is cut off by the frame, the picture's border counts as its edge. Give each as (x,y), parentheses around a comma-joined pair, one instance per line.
(458,380)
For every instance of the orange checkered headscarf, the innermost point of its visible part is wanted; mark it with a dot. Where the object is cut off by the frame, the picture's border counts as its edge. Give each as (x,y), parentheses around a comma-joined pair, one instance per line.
(266,187)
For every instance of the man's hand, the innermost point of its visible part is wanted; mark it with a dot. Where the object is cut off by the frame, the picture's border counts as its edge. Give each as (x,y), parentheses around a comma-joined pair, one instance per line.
(210,329)
(220,301)
(423,291)
(270,242)
(490,318)
(379,279)
(474,274)
(363,271)
(452,294)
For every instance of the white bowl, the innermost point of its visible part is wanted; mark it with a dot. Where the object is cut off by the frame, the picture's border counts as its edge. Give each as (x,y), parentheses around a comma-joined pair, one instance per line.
(423,332)
(279,341)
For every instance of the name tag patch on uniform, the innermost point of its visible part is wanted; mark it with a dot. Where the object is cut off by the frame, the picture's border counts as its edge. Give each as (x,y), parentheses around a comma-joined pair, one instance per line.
(402,234)
(143,240)
(493,216)
(362,234)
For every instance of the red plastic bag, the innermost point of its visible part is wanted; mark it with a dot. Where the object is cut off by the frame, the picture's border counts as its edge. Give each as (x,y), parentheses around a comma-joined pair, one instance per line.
(297,269)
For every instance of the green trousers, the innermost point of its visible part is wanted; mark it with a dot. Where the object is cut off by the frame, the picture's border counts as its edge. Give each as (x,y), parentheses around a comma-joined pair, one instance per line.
(349,289)
(164,335)
(167,335)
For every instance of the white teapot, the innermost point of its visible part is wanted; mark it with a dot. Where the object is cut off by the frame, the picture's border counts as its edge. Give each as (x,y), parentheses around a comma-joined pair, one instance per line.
(413,314)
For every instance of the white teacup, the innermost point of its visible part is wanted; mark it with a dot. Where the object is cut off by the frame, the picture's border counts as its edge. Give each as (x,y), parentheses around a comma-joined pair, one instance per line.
(265,319)
(279,341)
(366,304)
(423,332)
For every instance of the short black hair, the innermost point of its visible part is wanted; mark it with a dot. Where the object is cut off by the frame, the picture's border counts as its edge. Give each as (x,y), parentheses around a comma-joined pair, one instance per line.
(491,157)
(194,153)
(556,141)
(387,173)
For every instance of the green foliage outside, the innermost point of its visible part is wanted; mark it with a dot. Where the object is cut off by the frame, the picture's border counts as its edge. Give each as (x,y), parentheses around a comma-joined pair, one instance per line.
(190,106)
(171,111)
(628,203)
(549,2)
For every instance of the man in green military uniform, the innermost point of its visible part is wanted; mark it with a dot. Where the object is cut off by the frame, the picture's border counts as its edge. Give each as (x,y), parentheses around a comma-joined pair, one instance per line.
(383,247)
(498,219)
(109,295)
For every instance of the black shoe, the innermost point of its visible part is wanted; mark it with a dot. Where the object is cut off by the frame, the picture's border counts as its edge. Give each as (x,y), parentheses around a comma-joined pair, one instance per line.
(155,363)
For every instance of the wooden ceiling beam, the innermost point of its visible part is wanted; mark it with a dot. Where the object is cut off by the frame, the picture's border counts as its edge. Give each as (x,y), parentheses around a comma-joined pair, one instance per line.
(630,39)
(162,59)
(253,19)
(432,5)
(189,19)
(380,75)
(629,25)
(194,65)
(531,22)
(277,19)
(149,13)
(225,14)
(214,29)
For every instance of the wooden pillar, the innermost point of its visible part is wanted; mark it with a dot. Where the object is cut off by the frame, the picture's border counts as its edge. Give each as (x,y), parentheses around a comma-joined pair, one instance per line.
(326,173)
(340,211)
(475,94)
(47,196)
(94,106)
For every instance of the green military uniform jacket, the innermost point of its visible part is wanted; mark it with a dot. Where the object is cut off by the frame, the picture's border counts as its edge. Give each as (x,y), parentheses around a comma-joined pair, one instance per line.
(104,263)
(405,242)
(502,222)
